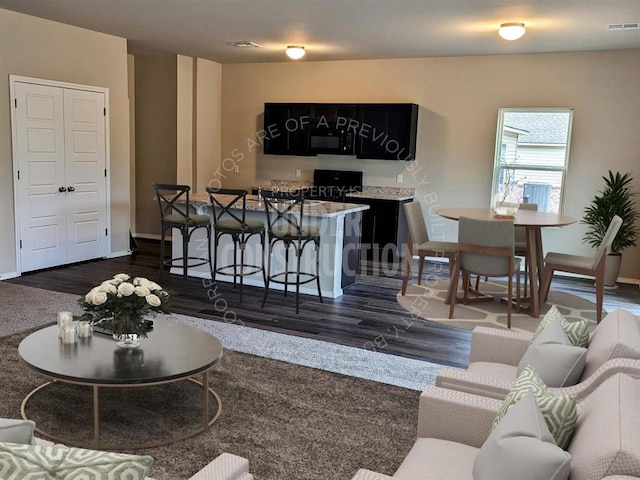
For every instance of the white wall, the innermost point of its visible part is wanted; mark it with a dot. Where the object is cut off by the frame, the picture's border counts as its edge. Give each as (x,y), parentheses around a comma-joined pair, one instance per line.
(459,98)
(40,48)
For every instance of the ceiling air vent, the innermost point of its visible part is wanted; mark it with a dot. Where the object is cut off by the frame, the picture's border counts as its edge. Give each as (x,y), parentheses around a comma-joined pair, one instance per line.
(245,44)
(623,26)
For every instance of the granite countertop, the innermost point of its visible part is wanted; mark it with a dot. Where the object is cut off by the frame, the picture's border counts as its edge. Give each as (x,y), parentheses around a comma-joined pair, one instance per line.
(312,208)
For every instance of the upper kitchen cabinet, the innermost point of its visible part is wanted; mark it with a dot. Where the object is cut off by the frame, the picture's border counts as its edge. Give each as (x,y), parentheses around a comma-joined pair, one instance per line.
(332,112)
(387,131)
(287,128)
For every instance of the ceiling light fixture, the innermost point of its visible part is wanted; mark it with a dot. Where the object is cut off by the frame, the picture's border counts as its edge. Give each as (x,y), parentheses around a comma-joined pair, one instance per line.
(511,31)
(295,52)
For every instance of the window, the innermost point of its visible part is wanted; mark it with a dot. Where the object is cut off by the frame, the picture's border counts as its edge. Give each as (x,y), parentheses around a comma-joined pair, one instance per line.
(532,154)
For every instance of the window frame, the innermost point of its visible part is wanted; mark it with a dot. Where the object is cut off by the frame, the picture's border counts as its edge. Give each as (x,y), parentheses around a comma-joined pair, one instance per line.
(500,144)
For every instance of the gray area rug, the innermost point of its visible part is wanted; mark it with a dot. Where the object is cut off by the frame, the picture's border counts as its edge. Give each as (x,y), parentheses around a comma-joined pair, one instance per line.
(291,422)
(24,307)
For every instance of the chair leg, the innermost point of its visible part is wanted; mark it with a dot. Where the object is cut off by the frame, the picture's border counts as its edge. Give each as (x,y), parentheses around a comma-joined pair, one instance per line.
(286,268)
(547,275)
(453,287)
(215,256)
(298,259)
(242,247)
(161,254)
(599,293)
(407,270)
(317,245)
(509,298)
(185,255)
(420,268)
(267,274)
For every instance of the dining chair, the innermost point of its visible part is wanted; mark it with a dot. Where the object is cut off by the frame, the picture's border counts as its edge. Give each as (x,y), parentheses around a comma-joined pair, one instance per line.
(592,266)
(228,209)
(485,248)
(175,213)
(418,244)
(285,214)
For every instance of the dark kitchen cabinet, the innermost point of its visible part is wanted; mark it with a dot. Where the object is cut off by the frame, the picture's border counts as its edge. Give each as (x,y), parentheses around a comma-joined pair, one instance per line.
(332,112)
(286,128)
(387,131)
(384,229)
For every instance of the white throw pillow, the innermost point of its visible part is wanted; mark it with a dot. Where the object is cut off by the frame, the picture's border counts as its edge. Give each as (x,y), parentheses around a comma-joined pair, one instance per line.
(556,361)
(522,448)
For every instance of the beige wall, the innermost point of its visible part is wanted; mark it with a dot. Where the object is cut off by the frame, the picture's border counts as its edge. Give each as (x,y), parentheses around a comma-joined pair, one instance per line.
(39,48)
(156,138)
(459,99)
(184,127)
(208,121)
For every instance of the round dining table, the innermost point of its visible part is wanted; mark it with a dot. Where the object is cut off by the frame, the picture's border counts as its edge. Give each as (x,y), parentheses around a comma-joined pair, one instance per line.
(533,221)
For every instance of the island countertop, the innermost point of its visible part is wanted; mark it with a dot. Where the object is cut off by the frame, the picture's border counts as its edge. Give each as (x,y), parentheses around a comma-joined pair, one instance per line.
(312,208)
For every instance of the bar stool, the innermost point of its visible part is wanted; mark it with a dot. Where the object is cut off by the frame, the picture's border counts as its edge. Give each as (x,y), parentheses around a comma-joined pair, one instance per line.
(228,209)
(174,213)
(285,211)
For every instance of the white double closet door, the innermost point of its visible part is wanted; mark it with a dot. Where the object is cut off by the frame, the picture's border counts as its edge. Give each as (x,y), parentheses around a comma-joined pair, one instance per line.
(60,155)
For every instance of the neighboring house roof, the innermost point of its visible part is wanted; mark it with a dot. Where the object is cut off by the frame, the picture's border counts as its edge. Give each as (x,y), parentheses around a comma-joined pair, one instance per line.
(541,127)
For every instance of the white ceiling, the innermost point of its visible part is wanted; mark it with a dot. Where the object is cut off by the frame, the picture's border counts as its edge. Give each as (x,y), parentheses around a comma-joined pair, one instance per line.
(346,29)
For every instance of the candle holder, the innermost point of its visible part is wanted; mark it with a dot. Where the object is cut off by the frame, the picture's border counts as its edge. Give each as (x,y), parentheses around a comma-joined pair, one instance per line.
(65,320)
(85,329)
(69,335)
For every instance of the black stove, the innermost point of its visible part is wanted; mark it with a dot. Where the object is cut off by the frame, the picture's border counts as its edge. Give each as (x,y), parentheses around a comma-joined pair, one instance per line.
(335,185)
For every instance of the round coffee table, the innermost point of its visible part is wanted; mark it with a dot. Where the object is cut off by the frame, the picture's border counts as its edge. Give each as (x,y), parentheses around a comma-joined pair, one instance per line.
(170,353)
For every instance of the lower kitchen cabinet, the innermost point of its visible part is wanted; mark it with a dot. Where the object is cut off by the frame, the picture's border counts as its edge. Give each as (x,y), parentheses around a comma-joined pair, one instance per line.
(384,229)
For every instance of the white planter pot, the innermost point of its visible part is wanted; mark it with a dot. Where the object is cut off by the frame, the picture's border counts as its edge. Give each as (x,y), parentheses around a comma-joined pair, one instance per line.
(612,270)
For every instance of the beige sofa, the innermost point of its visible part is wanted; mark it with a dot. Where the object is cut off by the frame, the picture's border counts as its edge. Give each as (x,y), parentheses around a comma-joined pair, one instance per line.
(453,425)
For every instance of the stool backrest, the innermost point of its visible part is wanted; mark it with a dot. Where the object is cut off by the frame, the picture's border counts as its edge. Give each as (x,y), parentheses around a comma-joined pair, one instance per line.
(284,209)
(223,201)
(170,199)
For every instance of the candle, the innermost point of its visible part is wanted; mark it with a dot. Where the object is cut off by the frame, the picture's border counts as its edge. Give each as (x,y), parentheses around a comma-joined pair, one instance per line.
(85,329)
(69,335)
(64,321)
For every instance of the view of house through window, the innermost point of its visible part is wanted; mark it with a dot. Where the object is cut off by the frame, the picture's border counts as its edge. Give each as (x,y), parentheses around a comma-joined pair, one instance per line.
(532,154)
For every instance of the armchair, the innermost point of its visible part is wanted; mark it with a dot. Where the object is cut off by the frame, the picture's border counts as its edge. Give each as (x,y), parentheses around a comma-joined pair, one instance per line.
(614,347)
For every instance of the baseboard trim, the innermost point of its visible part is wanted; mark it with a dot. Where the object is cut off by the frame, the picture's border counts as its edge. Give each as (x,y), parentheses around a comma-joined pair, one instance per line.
(123,253)
(151,236)
(9,275)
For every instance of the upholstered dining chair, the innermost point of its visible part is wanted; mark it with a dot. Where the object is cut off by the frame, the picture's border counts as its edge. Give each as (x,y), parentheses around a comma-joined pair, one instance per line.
(229,211)
(418,244)
(175,213)
(485,248)
(592,266)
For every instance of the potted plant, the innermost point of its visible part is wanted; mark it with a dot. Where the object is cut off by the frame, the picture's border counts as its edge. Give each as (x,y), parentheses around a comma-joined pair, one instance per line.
(617,198)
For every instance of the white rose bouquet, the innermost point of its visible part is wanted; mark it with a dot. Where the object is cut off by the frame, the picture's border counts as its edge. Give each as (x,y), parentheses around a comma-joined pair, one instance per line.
(120,304)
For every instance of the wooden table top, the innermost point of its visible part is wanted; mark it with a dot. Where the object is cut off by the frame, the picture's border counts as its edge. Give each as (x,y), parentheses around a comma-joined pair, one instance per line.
(524,218)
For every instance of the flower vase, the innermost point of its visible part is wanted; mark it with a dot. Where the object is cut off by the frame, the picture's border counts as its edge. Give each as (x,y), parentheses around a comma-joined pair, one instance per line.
(506,204)
(127,340)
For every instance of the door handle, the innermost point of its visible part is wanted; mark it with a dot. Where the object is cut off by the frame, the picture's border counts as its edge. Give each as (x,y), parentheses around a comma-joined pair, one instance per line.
(71,188)
(62,189)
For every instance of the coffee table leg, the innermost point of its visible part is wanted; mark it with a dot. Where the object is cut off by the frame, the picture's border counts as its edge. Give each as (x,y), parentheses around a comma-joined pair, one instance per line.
(96,419)
(205,390)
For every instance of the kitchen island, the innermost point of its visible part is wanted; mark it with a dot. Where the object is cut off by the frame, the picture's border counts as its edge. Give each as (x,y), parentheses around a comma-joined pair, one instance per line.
(340,229)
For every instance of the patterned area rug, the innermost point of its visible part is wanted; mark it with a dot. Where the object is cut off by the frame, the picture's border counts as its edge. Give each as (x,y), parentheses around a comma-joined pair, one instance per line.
(427,302)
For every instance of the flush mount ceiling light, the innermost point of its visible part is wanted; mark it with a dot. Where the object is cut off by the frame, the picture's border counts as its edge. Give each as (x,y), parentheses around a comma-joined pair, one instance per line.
(511,31)
(295,52)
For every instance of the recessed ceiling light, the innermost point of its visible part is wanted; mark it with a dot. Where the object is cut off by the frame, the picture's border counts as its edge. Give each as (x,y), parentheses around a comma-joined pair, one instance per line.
(295,52)
(512,30)
(245,44)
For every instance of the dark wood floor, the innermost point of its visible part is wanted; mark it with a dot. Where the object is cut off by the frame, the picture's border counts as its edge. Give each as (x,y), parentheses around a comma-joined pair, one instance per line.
(366,316)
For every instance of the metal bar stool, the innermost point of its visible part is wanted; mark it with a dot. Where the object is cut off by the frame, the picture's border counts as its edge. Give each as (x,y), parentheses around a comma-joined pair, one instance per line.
(228,209)
(174,213)
(285,211)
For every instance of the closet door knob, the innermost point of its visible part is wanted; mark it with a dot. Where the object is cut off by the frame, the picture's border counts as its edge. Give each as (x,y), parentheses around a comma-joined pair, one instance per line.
(71,188)
(62,189)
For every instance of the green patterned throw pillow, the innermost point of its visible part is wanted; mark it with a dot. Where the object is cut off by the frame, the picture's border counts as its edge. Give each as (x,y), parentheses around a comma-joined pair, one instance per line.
(39,462)
(559,411)
(578,331)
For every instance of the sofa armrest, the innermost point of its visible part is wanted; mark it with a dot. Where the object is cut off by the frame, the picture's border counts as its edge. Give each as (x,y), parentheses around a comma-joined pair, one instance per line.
(225,467)
(456,416)
(473,383)
(498,346)
(363,474)
(610,368)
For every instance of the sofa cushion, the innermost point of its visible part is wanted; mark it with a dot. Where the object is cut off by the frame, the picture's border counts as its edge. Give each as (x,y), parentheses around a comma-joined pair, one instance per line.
(577,331)
(521,447)
(559,411)
(34,461)
(498,371)
(435,459)
(605,441)
(616,336)
(556,361)
(17,431)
